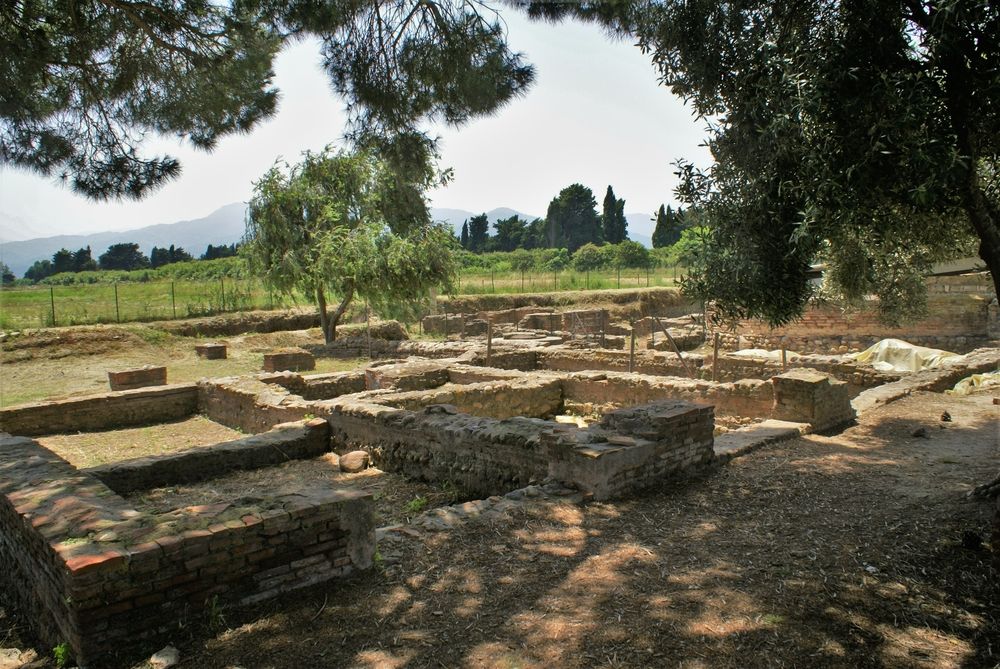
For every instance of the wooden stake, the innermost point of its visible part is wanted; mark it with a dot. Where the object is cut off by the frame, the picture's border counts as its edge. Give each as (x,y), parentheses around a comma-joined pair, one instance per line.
(715,359)
(631,351)
(489,341)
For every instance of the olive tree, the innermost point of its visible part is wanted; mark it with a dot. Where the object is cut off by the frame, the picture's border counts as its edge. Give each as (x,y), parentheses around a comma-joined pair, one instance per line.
(341,226)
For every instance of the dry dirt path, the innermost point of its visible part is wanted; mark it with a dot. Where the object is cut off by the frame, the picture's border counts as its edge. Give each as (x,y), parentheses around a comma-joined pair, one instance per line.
(840,551)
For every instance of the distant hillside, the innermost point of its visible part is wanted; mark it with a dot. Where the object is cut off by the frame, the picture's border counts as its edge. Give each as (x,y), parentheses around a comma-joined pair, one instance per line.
(226,226)
(223,226)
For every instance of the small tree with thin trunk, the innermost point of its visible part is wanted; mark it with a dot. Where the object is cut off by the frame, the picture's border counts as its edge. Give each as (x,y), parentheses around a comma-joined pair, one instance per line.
(340,226)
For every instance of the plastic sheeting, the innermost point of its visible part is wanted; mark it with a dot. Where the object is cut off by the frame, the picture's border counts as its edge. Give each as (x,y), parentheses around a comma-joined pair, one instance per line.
(976,383)
(896,355)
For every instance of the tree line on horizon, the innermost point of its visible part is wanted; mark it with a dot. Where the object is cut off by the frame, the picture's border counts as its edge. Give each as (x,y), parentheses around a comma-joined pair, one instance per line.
(570,222)
(124,256)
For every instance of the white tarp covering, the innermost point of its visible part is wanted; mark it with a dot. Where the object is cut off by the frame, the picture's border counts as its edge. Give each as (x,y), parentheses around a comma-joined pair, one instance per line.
(975,383)
(896,355)
(762,353)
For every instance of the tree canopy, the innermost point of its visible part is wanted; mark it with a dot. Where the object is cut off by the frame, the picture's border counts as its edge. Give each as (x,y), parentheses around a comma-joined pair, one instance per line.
(333,226)
(615,226)
(865,134)
(572,218)
(669,225)
(85,81)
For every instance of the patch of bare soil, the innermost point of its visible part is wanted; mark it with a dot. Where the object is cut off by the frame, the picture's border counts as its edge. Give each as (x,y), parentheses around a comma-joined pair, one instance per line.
(842,551)
(90,449)
(397,499)
(51,364)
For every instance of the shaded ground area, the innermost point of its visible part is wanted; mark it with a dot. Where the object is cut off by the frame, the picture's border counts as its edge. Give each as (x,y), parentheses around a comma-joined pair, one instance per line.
(397,499)
(825,551)
(837,551)
(90,449)
(53,364)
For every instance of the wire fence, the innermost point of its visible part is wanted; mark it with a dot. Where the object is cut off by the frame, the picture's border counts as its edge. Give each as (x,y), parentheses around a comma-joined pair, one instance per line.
(86,304)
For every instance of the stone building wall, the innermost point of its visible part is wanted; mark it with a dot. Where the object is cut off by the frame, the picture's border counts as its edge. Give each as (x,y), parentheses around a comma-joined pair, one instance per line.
(291,441)
(959,320)
(94,573)
(103,411)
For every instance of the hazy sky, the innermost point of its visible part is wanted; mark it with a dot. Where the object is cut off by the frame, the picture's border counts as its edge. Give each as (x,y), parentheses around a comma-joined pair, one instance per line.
(596,115)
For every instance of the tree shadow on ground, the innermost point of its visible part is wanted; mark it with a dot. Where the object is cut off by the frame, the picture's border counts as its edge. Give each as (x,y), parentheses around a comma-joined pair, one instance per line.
(840,551)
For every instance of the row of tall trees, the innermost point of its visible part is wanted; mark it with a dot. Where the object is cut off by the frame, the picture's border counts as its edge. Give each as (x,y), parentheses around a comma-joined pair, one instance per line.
(570,222)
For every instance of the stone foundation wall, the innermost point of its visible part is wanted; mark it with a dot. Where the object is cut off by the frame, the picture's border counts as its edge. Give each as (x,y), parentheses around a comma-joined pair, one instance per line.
(536,398)
(590,392)
(959,321)
(633,448)
(101,412)
(100,576)
(250,405)
(291,441)
(805,396)
(482,455)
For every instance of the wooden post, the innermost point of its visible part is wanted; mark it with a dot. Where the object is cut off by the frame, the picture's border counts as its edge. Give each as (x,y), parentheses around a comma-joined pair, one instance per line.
(118,313)
(784,358)
(631,350)
(173,300)
(604,318)
(52,301)
(493,279)
(677,350)
(715,358)
(368,329)
(489,341)
(445,322)
(222,282)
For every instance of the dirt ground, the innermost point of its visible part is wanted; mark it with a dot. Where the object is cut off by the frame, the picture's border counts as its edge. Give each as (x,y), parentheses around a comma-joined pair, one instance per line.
(825,551)
(397,499)
(52,364)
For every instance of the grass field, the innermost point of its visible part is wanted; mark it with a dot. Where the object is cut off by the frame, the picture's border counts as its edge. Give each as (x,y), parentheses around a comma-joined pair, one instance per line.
(45,306)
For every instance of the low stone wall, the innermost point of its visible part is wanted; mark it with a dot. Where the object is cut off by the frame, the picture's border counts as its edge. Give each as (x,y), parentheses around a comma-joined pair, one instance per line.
(805,396)
(250,405)
(646,362)
(482,455)
(92,572)
(291,441)
(633,448)
(318,386)
(537,398)
(130,379)
(289,359)
(358,347)
(596,392)
(101,412)
(959,320)
(233,324)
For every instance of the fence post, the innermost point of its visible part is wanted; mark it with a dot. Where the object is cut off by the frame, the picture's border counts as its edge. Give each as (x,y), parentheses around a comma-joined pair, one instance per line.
(173,300)
(489,341)
(618,273)
(52,301)
(555,281)
(631,350)
(493,279)
(222,281)
(118,313)
(368,329)
(715,358)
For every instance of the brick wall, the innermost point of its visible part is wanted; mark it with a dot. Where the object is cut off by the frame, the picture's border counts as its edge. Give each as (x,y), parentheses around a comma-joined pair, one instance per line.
(282,443)
(249,404)
(101,412)
(806,396)
(533,397)
(632,449)
(958,320)
(588,392)
(94,573)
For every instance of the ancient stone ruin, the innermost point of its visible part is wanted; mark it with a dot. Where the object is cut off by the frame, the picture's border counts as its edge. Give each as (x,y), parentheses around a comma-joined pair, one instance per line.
(536,404)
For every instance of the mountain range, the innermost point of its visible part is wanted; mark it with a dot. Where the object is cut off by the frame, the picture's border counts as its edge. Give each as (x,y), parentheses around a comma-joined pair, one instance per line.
(224,226)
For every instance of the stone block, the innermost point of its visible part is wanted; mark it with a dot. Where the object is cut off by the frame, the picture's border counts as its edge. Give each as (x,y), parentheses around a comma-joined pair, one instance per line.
(129,379)
(805,396)
(289,359)
(213,351)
